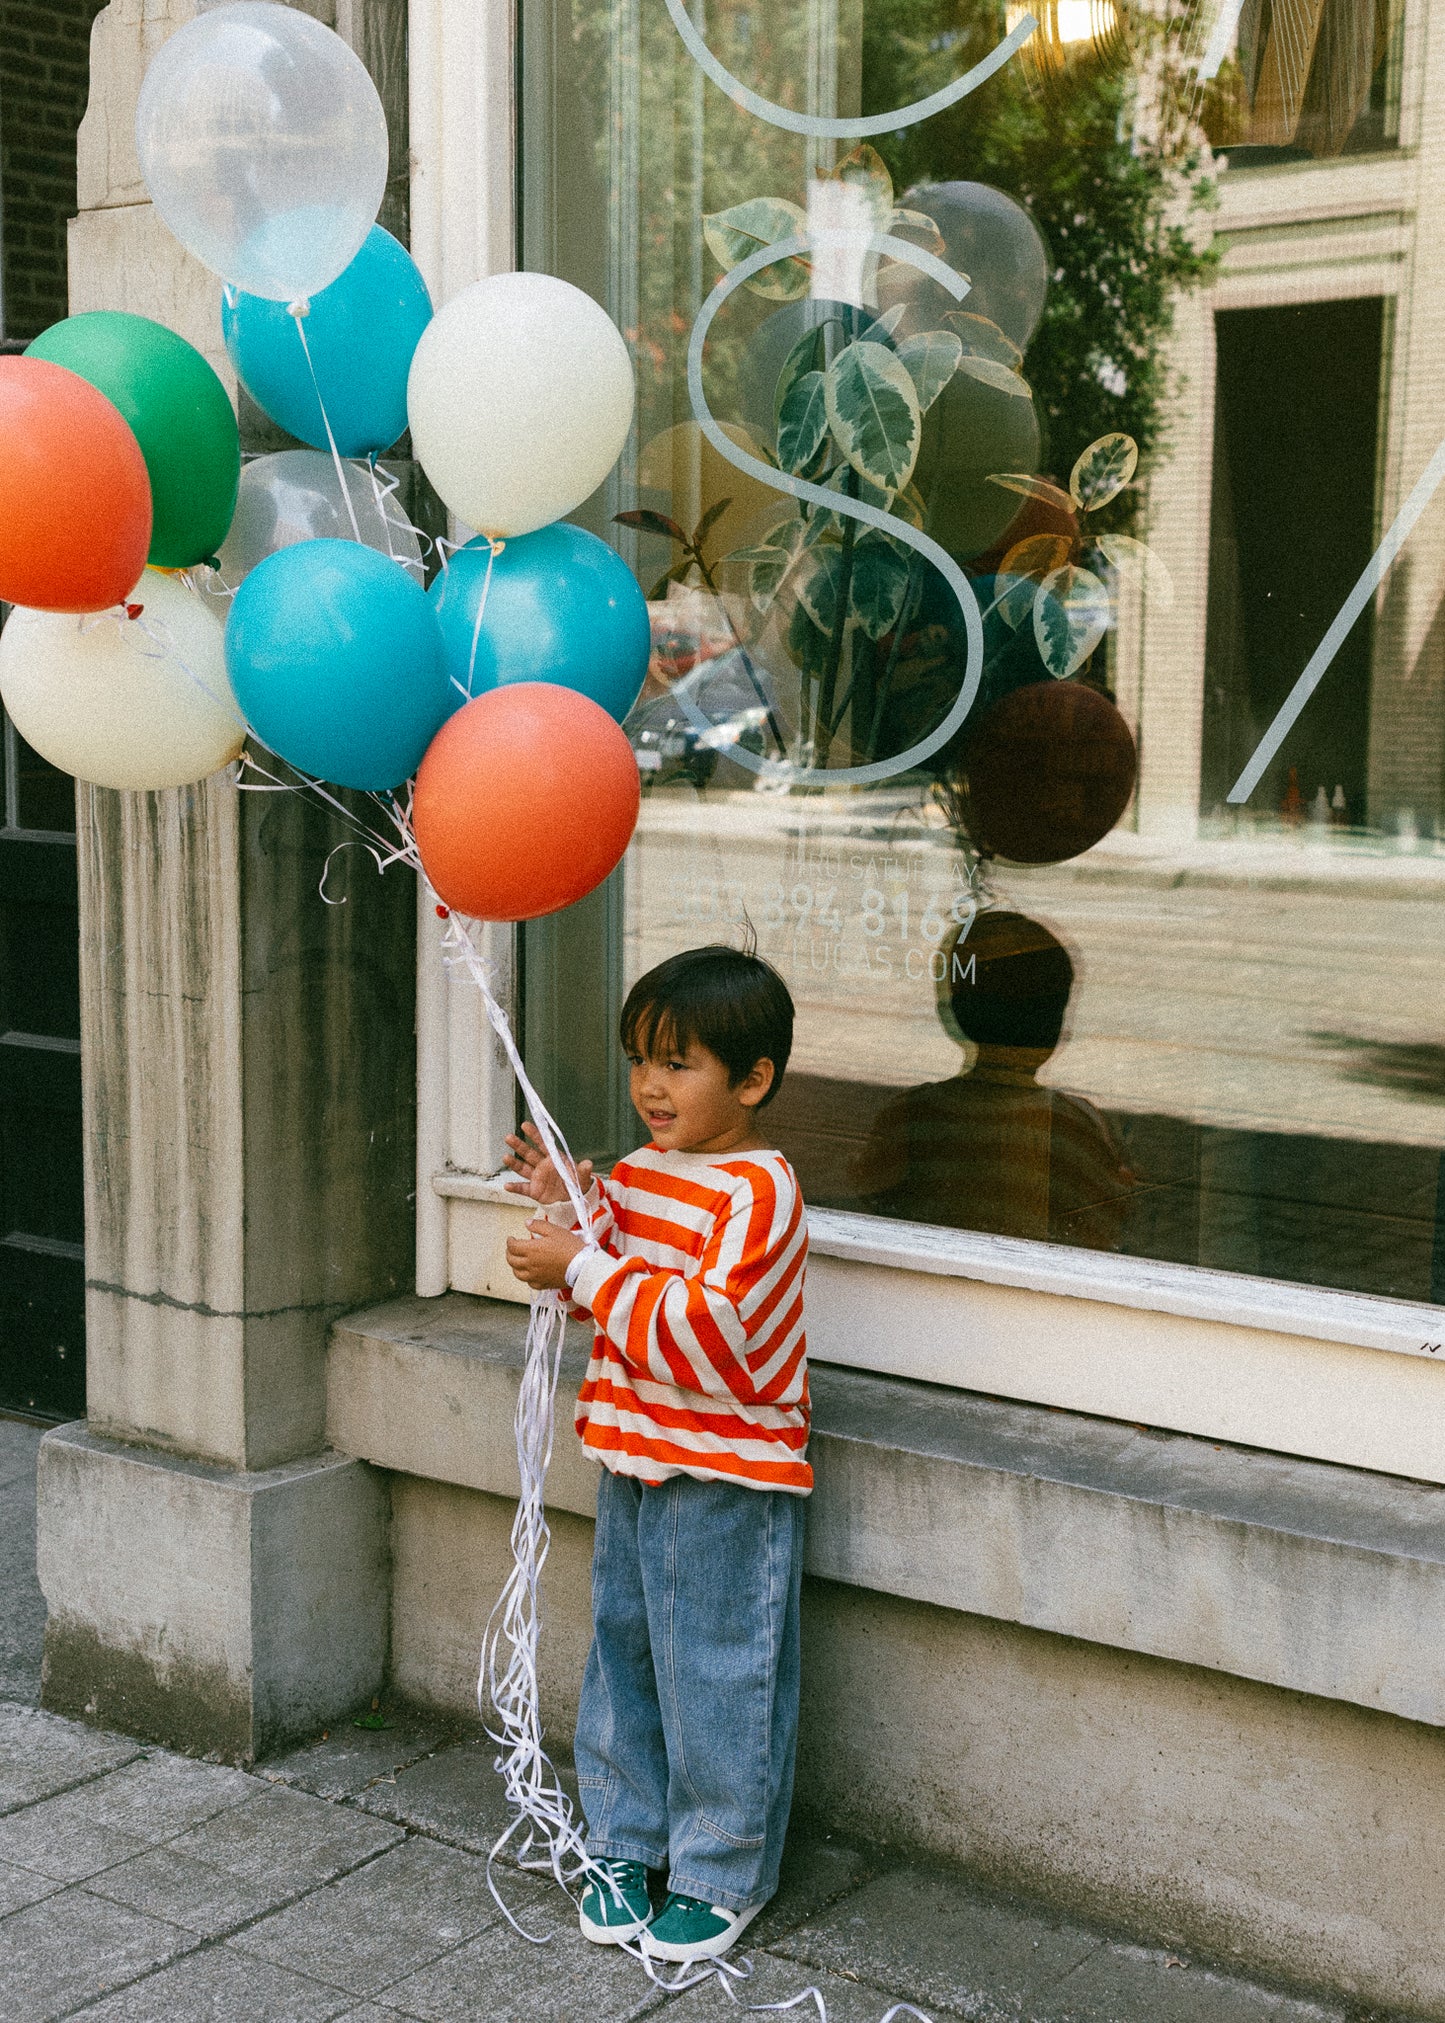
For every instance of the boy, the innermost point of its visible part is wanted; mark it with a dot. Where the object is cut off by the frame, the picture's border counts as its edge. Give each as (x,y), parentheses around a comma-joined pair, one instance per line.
(696,1404)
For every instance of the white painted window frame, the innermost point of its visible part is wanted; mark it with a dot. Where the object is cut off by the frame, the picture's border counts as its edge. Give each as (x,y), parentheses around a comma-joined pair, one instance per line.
(1250,1360)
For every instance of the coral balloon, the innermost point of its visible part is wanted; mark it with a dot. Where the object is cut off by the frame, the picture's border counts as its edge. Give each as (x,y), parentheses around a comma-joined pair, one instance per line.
(75,509)
(181,415)
(124,702)
(520,399)
(525,801)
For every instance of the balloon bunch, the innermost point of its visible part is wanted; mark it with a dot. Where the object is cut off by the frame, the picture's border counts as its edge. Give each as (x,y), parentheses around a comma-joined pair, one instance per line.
(127,523)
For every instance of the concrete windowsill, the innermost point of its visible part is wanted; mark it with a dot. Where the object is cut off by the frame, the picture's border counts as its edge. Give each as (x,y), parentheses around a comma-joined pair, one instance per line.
(1302,1574)
(1316,1313)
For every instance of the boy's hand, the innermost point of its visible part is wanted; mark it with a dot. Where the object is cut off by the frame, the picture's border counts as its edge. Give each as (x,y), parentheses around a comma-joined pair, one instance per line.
(540,1178)
(541,1258)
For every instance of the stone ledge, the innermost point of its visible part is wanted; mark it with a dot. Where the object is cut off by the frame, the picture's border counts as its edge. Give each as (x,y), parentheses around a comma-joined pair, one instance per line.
(1300,1574)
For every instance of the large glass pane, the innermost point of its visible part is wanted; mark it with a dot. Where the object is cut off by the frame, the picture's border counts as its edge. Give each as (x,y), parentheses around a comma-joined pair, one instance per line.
(1028,464)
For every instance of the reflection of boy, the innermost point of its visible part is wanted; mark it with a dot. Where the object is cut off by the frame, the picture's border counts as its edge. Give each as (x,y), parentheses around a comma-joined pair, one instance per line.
(992,1149)
(696,1404)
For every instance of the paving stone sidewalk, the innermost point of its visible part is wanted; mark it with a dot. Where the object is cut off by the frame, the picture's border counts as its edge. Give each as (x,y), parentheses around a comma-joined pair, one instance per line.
(348,1879)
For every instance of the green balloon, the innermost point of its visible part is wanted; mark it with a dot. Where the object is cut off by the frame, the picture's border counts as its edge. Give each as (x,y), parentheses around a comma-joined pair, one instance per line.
(181,416)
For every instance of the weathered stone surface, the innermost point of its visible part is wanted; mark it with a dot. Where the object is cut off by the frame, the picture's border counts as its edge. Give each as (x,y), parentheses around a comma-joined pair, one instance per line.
(351,1757)
(287,1840)
(225,1610)
(564,1981)
(42,1755)
(72,1947)
(219,1986)
(392,1917)
(22,1606)
(21,1886)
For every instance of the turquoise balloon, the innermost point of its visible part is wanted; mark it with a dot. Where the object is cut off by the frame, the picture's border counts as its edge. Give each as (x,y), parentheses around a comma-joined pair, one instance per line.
(561,606)
(361,332)
(336,659)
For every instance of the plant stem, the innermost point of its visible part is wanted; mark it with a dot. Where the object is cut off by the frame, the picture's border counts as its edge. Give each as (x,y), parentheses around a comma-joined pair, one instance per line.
(823,728)
(880,701)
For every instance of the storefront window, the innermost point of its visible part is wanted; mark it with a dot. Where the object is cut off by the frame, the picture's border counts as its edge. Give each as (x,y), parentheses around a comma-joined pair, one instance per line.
(1026,463)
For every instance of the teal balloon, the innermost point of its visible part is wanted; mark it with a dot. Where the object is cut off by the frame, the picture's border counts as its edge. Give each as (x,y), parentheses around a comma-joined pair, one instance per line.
(361,332)
(561,606)
(335,657)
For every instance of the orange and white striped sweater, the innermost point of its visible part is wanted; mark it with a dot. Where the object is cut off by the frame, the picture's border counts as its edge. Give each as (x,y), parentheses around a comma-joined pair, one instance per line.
(699,1366)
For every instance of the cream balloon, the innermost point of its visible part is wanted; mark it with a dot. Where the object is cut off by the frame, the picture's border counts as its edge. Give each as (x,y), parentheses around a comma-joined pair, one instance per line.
(520,399)
(124,702)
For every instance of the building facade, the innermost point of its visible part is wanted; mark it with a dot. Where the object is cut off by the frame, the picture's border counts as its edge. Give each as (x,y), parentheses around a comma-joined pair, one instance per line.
(1118,1092)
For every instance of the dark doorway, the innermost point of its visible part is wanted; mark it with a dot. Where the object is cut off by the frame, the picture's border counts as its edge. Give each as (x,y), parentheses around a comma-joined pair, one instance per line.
(42,1259)
(1292,525)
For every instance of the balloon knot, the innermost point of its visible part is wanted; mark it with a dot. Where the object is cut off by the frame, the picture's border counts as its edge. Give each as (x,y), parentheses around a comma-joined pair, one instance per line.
(212,561)
(298,309)
(444,913)
(134,610)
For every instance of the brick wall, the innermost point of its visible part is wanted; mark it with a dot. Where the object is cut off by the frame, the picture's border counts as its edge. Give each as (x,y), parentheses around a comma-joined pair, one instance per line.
(44,80)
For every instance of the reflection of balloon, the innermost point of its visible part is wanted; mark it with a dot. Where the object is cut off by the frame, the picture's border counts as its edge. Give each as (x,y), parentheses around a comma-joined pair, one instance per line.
(296,496)
(682,465)
(263,143)
(361,332)
(525,801)
(336,658)
(520,400)
(561,606)
(1046,773)
(181,416)
(972,431)
(75,507)
(990,238)
(124,702)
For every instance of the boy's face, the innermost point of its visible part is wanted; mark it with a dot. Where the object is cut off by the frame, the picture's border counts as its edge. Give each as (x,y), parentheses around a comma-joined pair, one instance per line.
(683,1098)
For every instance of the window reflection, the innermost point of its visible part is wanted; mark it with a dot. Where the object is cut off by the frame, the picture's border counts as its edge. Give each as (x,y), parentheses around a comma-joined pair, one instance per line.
(1189,387)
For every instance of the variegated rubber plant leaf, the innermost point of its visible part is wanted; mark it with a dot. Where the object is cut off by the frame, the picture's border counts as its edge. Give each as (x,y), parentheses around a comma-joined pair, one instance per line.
(1134,558)
(1002,378)
(819,578)
(932,358)
(1071,616)
(981,338)
(866,167)
(874,414)
(1103,471)
(802,422)
(733,234)
(1029,487)
(878,585)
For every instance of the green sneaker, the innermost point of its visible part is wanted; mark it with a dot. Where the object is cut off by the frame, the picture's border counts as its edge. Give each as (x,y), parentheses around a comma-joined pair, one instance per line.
(617,1909)
(688,1929)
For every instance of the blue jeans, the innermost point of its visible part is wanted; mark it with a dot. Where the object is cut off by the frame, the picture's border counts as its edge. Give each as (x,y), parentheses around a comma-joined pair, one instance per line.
(688,1725)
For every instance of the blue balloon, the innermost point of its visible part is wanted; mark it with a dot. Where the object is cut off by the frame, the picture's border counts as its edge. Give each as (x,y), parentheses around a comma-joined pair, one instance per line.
(362,331)
(335,657)
(561,607)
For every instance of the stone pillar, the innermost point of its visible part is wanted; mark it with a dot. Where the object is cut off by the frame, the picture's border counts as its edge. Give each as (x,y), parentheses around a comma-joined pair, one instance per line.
(216,1578)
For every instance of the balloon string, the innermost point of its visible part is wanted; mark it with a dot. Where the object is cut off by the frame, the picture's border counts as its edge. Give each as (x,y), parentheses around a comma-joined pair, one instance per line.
(385,485)
(298,312)
(494,548)
(544,1833)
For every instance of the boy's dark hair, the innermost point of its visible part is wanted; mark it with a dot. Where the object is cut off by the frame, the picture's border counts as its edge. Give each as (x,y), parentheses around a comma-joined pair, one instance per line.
(1009,982)
(733,1003)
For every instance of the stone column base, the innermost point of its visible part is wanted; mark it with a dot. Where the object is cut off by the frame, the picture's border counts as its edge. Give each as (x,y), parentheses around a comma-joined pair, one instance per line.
(220,1612)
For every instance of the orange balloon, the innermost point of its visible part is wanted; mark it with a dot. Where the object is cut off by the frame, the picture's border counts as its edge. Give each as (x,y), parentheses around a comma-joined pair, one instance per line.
(526,799)
(75,499)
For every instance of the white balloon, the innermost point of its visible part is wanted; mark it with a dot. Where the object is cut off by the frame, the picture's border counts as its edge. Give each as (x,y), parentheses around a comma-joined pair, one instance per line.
(296,496)
(263,144)
(124,702)
(520,399)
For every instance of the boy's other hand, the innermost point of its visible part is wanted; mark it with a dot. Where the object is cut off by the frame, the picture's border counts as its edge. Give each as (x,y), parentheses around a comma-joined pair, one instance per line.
(540,1259)
(540,1179)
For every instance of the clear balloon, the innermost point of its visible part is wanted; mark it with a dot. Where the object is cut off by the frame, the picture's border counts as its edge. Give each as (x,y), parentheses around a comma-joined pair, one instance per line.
(296,496)
(137,702)
(991,238)
(520,399)
(263,144)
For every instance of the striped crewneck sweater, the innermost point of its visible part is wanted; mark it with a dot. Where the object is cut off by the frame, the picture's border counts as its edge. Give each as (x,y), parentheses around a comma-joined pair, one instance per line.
(699,1365)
